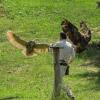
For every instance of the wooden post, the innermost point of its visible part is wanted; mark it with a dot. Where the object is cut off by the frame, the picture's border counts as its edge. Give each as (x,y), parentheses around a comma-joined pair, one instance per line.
(58,82)
(57,73)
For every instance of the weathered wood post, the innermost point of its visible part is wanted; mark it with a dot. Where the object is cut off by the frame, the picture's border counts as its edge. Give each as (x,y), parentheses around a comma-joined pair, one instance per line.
(58,79)
(57,73)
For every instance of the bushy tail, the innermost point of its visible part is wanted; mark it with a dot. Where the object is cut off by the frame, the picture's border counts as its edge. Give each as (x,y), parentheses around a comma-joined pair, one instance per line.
(16,41)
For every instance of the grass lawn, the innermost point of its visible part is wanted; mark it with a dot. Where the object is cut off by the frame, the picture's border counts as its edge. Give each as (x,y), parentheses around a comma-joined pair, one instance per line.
(31,78)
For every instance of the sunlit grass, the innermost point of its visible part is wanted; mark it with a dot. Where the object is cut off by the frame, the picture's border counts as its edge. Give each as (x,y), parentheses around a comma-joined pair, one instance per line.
(31,78)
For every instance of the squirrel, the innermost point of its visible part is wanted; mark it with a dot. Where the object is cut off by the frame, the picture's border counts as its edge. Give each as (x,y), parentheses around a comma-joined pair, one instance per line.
(28,48)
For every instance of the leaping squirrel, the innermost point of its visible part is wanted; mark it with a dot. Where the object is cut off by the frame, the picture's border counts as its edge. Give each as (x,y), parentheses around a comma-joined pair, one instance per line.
(28,48)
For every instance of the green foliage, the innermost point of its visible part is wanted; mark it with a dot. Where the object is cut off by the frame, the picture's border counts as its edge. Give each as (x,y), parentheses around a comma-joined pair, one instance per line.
(31,78)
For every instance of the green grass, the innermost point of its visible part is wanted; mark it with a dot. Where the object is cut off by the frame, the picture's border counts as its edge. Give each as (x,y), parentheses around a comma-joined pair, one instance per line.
(31,78)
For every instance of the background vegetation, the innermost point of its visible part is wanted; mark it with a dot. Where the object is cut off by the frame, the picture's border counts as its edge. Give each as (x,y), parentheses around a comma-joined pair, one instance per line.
(31,78)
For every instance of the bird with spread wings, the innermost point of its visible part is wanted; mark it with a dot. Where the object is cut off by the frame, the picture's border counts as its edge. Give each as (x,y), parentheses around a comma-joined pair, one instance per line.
(28,48)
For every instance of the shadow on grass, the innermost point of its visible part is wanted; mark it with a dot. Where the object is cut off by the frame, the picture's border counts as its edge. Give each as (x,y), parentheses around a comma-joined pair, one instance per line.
(91,59)
(93,77)
(92,55)
(10,98)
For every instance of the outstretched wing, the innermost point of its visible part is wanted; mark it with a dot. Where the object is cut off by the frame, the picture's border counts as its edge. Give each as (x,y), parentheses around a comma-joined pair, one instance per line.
(16,41)
(85,31)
